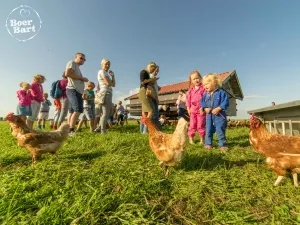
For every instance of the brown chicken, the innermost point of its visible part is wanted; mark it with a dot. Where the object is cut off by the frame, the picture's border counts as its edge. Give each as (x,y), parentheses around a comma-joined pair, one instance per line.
(168,148)
(37,142)
(282,152)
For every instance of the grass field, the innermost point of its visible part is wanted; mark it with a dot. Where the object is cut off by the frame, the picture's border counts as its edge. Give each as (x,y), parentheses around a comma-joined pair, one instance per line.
(115,179)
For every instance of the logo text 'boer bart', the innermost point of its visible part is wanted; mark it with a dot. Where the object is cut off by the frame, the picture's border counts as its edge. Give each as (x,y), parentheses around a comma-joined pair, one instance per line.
(23,23)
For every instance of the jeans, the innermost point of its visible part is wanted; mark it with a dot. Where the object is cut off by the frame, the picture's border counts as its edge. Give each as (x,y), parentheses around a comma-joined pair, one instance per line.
(155,116)
(143,128)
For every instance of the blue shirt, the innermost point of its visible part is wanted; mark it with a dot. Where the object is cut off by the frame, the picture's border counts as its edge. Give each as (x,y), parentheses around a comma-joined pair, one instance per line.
(219,98)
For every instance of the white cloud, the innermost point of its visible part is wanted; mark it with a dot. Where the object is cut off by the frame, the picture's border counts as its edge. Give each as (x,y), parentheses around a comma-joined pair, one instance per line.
(120,96)
(255,96)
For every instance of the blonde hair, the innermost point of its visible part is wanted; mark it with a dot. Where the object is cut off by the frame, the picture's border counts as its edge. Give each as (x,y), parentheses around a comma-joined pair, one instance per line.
(194,72)
(23,84)
(213,77)
(103,61)
(89,83)
(39,77)
(151,65)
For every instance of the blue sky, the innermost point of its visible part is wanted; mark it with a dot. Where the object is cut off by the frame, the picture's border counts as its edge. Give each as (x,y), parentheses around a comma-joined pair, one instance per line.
(258,39)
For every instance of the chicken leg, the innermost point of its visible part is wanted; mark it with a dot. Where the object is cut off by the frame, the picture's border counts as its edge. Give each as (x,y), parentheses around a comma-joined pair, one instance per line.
(279,179)
(165,168)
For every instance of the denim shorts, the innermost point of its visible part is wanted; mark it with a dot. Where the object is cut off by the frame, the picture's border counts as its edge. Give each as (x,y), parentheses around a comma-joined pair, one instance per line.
(75,101)
(24,110)
(88,113)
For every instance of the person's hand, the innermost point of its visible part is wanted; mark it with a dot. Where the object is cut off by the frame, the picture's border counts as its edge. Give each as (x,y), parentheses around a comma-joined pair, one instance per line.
(189,111)
(207,110)
(84,79)
(216,111)
(111,73)
(201,111)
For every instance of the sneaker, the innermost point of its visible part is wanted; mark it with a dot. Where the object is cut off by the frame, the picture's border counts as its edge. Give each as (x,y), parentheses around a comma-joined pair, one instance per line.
(72,133)
(207,146)
(97,130)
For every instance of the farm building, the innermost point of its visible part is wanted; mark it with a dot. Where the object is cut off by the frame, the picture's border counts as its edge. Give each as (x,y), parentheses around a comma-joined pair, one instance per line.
(169,93)
(283,118)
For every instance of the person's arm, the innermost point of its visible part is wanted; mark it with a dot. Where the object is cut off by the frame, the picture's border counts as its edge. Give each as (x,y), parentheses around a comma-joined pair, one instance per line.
(70,73)
(36,92)
(113,80)
(224,104)
(145,78)
(106,79)
(84,96)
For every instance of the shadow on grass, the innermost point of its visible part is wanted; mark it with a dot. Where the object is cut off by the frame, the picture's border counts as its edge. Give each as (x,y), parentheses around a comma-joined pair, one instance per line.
(242,143)
(86,155)
(24,160)
(212,161)
(125,129)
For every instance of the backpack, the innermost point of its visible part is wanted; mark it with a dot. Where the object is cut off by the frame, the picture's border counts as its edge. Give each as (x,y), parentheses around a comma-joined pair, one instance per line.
(55,91)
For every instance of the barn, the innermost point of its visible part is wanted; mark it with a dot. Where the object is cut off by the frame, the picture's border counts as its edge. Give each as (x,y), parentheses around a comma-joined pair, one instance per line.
(282,118)
(169,93)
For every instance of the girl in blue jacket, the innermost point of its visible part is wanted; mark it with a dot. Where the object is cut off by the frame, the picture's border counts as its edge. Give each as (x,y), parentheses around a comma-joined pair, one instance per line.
(214,102)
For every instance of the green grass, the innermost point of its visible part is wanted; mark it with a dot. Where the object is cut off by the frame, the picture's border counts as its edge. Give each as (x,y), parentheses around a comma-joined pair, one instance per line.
(115,179)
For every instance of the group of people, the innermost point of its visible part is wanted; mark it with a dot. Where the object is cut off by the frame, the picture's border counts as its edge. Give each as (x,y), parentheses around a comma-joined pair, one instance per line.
(77,100)
(33,102)
(205,103)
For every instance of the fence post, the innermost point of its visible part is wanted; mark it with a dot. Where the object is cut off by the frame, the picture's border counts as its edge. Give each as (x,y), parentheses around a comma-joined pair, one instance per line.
(283,128)
(275,127)
(291,127)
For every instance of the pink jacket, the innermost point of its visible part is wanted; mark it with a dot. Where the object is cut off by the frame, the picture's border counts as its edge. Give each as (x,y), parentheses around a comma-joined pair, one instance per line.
(24,97)
(37,91)
(193,98)
(63,85)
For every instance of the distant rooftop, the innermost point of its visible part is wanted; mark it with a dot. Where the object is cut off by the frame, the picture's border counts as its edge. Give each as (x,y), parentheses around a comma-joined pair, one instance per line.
(276,107)
(174,88)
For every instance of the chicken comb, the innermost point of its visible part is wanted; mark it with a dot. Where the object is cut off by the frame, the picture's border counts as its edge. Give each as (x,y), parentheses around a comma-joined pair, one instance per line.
(10,116)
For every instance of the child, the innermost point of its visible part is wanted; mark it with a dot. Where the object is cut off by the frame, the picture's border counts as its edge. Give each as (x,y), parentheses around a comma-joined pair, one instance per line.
(197,116)
(24,96)
(120,113)
(44,112)
(36,89)
(181,100)
(89,104)
(143,127)
(214,102)
(61,104)
(126,116)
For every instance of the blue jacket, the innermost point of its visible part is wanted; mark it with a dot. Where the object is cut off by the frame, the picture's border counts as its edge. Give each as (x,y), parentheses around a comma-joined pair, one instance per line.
(219,99)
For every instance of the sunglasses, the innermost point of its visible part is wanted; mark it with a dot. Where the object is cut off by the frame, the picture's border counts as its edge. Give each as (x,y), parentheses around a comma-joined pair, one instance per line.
(82,59)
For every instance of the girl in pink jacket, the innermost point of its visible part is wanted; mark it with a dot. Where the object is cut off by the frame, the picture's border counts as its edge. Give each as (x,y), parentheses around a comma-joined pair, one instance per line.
(24,105)
(197,115)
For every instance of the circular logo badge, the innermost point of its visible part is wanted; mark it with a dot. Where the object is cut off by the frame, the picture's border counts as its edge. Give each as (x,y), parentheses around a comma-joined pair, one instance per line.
(23,23)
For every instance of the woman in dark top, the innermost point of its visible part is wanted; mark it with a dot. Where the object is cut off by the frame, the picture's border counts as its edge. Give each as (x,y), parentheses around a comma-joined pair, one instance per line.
(147,103)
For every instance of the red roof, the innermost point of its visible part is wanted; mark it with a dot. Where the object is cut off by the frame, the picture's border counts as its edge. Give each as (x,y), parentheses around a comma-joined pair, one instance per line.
(174,88)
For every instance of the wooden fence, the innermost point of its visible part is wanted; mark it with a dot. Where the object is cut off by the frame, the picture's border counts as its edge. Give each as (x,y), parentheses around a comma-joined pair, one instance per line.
(288,127)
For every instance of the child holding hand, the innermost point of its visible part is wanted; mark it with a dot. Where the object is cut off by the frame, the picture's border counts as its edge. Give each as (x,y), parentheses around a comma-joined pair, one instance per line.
(194,108)
(214,102)
(24,105)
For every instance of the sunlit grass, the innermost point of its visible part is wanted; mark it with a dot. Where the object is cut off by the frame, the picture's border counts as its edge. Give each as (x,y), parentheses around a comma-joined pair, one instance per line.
(115,179)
